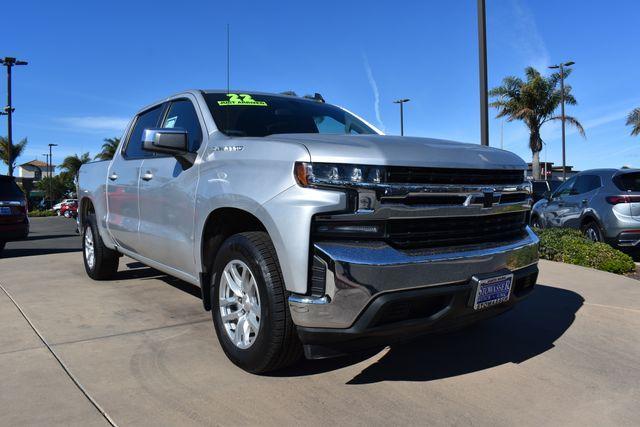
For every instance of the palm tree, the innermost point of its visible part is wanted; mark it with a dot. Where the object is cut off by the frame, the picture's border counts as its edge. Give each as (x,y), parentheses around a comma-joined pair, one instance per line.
(108,149)
(16,151)
(633,119)
(71,164)
(533,101)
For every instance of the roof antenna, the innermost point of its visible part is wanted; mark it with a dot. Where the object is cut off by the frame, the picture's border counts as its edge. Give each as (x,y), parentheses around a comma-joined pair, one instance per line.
(228,61)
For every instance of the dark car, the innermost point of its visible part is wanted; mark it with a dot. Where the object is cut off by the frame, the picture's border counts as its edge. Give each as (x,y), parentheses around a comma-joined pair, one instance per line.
(14,222)
(542,188)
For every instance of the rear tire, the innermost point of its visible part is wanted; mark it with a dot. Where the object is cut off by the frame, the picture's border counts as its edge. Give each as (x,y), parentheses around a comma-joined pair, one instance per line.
(592,232)
(100,262)
(256,293)
(2,247)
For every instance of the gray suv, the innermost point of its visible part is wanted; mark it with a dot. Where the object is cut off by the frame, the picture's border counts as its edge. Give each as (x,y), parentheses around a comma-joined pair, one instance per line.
(603,203)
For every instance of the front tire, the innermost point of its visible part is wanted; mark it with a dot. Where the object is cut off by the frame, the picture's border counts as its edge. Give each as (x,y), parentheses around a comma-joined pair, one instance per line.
(249,305)
(535,222)
(100,262)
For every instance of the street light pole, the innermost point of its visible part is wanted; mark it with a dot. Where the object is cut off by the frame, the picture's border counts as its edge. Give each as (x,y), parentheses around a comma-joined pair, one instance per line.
(564,155)
(401,102)
(51,174)
(482,59)
(10,62)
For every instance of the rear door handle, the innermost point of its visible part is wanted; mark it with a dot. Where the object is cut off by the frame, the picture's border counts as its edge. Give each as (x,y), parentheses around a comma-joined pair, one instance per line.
(113,176)
(147,176)
(585,201)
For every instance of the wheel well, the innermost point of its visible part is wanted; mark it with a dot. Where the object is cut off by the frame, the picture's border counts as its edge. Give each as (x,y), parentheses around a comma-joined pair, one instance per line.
(586,220)
(221,224)
(86,207)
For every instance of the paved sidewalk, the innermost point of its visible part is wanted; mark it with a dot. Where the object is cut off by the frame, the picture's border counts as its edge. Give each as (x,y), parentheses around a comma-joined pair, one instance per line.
(144,349)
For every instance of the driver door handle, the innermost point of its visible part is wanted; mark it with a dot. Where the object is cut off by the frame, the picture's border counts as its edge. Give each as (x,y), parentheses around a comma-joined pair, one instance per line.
(148,176)
(113,176)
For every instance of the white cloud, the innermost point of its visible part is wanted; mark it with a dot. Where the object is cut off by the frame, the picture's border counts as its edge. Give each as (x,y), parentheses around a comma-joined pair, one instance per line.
(527,39)
(376,92)
(95,122)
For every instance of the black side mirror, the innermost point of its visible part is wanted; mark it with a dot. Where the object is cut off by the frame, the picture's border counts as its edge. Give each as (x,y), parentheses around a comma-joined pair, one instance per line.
(167,141)
(173,141)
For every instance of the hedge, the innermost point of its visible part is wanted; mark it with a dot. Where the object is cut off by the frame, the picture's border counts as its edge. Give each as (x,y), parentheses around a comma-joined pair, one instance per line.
(570,246)
(38,213)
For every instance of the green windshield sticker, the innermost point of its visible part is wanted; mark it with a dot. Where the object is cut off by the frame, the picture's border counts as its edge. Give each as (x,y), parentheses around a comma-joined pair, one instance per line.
(241,99)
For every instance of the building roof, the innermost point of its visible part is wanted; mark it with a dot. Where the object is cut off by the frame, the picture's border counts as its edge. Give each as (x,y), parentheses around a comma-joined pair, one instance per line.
(36,163)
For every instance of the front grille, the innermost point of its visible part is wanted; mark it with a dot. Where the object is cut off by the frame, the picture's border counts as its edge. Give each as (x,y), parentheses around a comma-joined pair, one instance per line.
(410,175)
(455,231)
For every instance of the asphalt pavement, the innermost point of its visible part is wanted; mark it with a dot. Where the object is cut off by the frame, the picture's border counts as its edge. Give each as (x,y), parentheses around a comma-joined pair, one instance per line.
(142,347)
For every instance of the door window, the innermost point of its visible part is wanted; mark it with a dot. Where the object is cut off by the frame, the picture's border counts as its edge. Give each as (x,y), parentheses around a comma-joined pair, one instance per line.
(586,183)
(148,119)
(565,189)
(182,114)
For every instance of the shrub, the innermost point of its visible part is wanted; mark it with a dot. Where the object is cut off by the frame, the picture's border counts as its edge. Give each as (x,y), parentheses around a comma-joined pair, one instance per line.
(39,213)
(570,246)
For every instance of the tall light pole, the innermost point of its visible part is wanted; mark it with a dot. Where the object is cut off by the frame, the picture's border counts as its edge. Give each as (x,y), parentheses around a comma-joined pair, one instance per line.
(482,60)
(564,157)
(401,102)
(46,156)
(51,173)
(9,62)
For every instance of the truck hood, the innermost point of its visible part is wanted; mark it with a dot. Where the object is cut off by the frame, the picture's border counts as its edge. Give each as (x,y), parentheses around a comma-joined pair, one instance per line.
(388,150)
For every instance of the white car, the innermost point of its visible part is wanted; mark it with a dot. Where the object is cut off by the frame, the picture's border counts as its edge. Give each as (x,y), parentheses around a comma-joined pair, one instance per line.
(56,208)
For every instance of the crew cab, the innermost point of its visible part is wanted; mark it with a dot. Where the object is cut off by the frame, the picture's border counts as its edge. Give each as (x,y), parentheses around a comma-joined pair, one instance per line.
(306,228)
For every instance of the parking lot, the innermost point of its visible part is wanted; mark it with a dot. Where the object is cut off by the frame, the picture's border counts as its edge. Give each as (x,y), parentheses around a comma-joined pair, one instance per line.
(143,348)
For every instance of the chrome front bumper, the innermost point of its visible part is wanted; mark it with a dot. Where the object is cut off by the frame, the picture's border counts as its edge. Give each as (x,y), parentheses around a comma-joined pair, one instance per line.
(357,273)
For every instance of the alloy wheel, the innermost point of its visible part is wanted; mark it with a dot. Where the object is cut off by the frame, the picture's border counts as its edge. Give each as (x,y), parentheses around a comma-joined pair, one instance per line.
(239,302)
(89,251)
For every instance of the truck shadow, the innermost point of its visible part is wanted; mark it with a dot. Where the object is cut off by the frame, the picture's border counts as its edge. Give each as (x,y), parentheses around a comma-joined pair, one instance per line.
(528,330)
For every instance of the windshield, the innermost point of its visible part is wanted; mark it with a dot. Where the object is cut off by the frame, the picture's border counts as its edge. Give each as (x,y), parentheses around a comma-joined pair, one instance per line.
(261,115)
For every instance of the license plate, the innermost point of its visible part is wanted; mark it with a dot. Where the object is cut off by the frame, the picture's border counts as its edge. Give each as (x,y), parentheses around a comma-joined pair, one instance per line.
(492,291)
(5,210)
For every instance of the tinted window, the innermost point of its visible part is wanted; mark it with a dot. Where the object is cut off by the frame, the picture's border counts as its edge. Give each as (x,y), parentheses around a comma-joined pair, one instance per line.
(9,189)
(628,181)
(565,188)
(539,187)
(262,115)
(586,183)
(183,115)
(146,120)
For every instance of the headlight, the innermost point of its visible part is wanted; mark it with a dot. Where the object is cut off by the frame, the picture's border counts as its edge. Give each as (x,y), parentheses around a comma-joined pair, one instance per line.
(310,174)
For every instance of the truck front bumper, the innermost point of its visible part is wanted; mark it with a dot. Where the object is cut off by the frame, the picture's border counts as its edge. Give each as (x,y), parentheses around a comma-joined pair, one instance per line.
(376,294)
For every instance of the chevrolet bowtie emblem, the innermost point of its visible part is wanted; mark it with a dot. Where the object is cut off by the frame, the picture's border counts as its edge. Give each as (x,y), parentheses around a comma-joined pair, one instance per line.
(488,197)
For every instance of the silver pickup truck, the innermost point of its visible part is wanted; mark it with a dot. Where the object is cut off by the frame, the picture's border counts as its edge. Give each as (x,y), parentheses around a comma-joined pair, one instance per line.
(305,227)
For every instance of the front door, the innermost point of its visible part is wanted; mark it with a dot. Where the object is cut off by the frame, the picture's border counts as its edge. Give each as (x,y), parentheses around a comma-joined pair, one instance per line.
(167,196)
(123,179)
(556,210)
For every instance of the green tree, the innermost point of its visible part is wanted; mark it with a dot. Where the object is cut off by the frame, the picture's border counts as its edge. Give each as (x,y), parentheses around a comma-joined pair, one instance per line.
(633,120)
(534,101)
(56,187)
(16,151)
(108,149)
(71,164)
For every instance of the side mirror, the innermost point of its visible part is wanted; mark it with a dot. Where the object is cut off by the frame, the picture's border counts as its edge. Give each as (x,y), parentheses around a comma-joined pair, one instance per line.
(546,195)
(173,141)
(166,141)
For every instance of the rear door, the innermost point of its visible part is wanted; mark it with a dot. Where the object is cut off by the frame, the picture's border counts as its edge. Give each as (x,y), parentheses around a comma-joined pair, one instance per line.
(580,198)
(123,178)
(167,194)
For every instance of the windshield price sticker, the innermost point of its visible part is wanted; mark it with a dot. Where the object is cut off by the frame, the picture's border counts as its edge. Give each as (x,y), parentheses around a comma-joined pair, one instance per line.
(242,99)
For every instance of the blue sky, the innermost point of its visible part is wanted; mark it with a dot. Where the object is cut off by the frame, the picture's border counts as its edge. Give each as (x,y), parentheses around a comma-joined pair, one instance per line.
(93,64)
